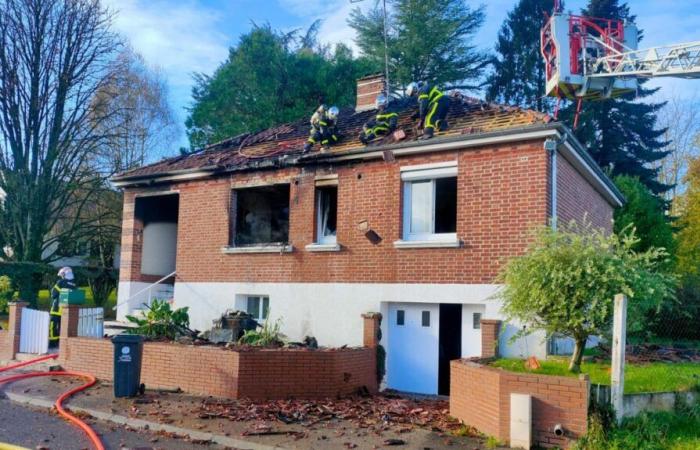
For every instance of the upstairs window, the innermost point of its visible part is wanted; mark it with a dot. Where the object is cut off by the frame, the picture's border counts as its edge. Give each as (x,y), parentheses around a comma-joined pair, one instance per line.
(326,214)
(430,204)
(261,216)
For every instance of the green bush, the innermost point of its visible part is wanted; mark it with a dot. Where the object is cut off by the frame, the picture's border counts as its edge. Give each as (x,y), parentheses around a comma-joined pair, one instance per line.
(6,293)
(268,335)
(161,322)
(27,278)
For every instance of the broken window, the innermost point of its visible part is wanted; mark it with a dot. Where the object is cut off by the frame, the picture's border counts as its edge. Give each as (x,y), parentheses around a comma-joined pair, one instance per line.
(258,307)
(430,209)
(261,215)
(326,214)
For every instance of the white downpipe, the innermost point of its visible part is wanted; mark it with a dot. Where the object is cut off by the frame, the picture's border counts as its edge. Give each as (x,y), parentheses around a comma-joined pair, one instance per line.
(553,149)
(146,289)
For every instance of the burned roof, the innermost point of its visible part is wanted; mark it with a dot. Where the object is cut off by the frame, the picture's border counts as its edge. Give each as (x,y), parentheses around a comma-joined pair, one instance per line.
(467,116)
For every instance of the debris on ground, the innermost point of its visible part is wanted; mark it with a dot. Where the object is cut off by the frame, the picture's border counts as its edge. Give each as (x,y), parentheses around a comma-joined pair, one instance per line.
(647,353)
(381,411)
(532,363)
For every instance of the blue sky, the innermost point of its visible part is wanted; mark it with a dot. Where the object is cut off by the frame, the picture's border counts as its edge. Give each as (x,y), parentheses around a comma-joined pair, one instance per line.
(186,36)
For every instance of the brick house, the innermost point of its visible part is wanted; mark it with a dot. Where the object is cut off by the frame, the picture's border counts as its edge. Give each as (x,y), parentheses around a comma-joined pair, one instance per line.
(416,230)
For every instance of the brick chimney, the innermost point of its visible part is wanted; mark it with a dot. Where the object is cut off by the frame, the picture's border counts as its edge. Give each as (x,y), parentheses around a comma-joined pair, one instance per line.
(368,88)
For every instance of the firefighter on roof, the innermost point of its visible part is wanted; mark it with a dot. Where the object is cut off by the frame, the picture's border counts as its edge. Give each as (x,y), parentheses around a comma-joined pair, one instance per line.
(66,280)
(433,107)
(324,128)
(382,124)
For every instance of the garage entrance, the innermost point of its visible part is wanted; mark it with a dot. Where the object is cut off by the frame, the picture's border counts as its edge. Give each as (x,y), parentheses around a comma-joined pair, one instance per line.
(423,338)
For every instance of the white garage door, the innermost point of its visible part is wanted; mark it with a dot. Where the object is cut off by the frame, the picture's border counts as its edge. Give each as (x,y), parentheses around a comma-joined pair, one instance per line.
(412,356)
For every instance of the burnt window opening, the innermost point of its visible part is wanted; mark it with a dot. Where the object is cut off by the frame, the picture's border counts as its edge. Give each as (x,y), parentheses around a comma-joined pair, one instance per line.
(158,218)
(261,215)
(326,214)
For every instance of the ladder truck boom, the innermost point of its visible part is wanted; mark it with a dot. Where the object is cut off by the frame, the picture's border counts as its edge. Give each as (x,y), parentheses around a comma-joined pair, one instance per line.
(680,60)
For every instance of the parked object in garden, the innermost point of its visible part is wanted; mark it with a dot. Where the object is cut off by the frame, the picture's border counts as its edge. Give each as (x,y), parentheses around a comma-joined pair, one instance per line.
(231,326)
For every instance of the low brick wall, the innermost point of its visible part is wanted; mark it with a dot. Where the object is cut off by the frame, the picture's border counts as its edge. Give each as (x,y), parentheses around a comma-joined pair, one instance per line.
(9,339)
(6,346)
(480,397)
(248,373)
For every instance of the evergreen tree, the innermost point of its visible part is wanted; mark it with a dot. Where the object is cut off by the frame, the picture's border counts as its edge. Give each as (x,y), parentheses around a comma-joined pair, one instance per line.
(429,40)
(622,133)
(518,76)
(271,78)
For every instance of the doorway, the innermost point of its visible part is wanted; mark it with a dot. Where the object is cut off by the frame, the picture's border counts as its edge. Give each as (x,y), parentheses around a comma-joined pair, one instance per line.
(450,343)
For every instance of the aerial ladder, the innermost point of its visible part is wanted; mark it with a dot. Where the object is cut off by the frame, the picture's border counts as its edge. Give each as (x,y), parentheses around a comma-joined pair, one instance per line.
(590,58)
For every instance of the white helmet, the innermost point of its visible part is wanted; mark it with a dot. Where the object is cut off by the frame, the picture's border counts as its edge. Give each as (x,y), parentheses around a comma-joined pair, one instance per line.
(382,101)
(412,89)
(66,273)
(333,112)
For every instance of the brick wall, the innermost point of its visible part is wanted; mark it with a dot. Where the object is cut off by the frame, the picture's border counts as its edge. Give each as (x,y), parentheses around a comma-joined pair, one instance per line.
(490,330)
(9,339)
(576,198)
(219,372)
(6,345)
(502,193)
(480,397)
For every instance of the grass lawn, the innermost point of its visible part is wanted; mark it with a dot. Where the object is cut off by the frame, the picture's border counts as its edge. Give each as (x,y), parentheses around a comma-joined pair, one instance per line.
(44,304)
(653,377)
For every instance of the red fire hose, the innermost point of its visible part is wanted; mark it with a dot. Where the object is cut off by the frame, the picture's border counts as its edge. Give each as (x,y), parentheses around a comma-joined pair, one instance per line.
(94,438)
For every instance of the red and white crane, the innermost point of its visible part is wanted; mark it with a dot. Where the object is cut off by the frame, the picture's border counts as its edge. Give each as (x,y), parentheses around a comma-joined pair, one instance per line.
(590,58)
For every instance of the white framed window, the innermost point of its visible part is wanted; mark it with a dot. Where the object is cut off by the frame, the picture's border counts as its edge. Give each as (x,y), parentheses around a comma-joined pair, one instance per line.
(430,202)
(326,214)
(258,306)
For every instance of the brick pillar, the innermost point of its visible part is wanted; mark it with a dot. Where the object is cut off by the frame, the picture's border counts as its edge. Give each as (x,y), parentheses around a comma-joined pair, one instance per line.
(69,327)
(13,329)
(372,332)
(489,337)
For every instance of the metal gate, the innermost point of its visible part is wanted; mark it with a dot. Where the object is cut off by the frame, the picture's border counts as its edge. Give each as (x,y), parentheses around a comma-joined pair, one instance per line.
(91,322)
(34,331)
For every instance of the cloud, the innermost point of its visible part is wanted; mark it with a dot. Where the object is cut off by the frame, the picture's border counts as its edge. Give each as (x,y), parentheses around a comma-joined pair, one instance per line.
(181,38)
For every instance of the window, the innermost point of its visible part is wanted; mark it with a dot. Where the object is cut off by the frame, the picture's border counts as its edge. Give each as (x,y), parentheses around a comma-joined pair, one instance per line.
(425,319)
(258,306)
(477,321)
(400,317)
(261,216)
(326,214)
(430,204)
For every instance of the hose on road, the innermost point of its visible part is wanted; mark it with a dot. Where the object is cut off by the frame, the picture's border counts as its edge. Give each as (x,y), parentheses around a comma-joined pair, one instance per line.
(90,381)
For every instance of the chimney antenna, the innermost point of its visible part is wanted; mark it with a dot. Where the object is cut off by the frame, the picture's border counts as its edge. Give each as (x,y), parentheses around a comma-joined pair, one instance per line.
(386,49)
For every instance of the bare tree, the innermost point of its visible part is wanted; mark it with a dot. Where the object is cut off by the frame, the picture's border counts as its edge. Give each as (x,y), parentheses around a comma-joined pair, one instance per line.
(681,118)
(141,124)
(55,55)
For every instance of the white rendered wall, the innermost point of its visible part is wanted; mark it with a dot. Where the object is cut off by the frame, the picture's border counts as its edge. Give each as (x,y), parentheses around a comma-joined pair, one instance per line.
(125,290)
(331,312)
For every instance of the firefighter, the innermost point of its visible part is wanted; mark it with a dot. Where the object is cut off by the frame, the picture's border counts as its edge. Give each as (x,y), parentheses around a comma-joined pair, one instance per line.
(324,128)
(66,280)
(433,108)
(383,124)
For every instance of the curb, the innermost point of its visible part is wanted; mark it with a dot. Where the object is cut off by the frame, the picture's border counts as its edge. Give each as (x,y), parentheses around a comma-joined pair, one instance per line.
(144,424)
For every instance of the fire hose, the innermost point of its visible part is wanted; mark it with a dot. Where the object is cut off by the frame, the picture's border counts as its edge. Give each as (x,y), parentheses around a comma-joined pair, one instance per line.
(90,381)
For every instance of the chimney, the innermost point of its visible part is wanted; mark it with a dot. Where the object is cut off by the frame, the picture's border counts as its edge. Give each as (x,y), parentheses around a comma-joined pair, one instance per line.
(368,88)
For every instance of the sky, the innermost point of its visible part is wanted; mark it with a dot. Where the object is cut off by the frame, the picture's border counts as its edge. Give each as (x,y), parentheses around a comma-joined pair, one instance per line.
(186,36)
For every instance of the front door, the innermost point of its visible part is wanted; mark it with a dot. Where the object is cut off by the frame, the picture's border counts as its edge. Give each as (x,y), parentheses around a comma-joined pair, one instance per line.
(413,353)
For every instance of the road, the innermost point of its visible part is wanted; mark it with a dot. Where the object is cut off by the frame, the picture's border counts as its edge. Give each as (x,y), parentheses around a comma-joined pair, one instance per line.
(36,429)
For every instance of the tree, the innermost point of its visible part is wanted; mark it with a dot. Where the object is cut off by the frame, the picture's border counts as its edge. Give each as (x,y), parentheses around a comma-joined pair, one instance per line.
(566,281)
(429,40)
(518,76)
(55,55)
(622,133)
(271,78)
(689,222)
(681,120)
(645,212)
(133,113)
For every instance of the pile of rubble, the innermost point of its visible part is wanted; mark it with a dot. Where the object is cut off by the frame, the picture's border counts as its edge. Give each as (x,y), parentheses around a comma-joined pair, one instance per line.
(382,411)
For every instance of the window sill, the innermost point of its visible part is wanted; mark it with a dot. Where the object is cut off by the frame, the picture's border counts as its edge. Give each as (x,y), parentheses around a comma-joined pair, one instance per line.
(323,248)
(270,248)
(452,243)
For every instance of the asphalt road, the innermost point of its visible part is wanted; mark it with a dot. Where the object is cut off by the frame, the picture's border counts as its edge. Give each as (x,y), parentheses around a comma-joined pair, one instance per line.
(37,429)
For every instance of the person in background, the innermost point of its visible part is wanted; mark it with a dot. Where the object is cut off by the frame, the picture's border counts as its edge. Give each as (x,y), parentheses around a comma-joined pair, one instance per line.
(66,280)
(433,107)
(383,124)
(324,129)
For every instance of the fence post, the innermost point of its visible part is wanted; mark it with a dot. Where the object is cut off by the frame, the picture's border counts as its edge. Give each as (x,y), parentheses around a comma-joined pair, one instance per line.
(619,340)
(14,324)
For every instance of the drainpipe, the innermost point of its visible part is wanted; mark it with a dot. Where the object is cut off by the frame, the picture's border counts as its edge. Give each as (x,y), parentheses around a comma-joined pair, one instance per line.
(551,146)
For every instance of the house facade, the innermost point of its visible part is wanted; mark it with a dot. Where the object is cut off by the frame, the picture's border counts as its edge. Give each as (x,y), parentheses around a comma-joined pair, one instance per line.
(416,230)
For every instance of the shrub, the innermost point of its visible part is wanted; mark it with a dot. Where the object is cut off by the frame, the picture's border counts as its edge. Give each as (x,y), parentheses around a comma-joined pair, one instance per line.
(162,322)
(268,335)
(6,293)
